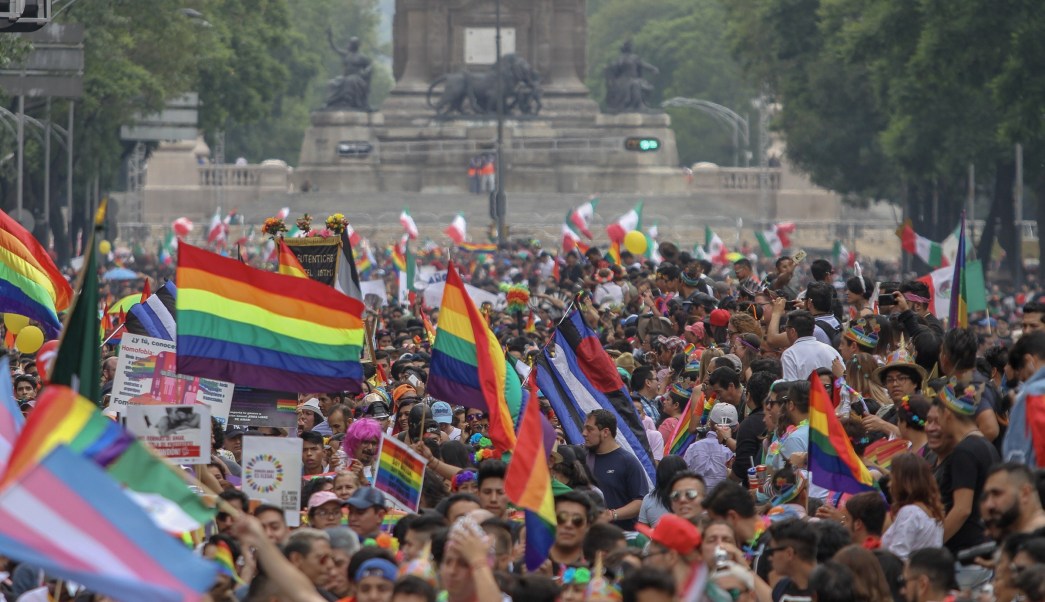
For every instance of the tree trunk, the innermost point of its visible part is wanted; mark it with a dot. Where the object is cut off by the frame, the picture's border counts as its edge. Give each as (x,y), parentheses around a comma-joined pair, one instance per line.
(1000,222)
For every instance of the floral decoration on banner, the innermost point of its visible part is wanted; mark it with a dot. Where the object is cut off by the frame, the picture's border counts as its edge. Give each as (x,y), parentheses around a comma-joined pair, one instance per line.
(274,227)
(304,223)
(337,223)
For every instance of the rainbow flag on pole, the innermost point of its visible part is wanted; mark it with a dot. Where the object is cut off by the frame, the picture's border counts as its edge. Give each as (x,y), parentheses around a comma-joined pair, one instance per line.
(30,283)
(68,517)
(684,436)
(62,417)
(468,365)
(528,483)
(833,463)
(259,329)
(959,317)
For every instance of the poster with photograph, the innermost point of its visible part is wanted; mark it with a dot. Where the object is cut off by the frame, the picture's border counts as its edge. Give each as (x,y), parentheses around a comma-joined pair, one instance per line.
(272,473)
(260,407)
(180,433)
(146,373)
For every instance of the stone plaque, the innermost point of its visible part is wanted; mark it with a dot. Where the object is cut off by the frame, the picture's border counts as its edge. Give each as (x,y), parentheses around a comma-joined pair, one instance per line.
(480,44)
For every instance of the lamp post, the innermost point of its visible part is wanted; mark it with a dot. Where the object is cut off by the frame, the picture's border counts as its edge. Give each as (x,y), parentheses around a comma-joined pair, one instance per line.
(500,202)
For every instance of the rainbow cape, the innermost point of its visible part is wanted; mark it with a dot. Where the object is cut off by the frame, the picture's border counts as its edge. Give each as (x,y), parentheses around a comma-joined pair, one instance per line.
(259,329)
(468,365)
(30,283)
(62,417)
(288,262)
(66,516)
(833,464)
(528,483)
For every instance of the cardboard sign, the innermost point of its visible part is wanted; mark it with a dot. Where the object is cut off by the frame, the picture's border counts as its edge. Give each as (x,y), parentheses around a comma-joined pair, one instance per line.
(272,473)
(261,407)
(146,374)
(317,255)
(179,433)
(400,474)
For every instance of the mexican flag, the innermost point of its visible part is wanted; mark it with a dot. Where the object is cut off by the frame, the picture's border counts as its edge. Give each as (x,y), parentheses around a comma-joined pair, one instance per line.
(632,220)
(579,218)
(409,226)
(842,255)
(716,249)
(571,240)
(921,247)
(457,229)
(770,243)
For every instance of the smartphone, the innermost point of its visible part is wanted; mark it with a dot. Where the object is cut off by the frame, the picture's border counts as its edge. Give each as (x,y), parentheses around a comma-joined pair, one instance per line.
(799,256)
(886,299)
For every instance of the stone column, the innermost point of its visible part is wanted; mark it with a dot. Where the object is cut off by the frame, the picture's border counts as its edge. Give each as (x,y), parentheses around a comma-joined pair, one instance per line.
(567,33)
(412,26)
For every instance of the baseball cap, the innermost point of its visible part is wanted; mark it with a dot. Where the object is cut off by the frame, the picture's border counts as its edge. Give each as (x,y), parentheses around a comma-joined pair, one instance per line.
(442,412)
(724,413)
(234,431)
(322,497)
(733,360)
(719,318)
(377,567)
(312,404)
(366,497)
(674,533)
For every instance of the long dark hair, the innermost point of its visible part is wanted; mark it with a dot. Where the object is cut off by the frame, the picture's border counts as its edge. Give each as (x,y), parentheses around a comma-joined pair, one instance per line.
(666,470)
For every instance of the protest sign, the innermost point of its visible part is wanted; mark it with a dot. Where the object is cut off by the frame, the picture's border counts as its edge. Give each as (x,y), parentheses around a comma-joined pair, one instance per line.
(376,288)
(145,374)
(400,473)
(272,473)
(317,255)
(179,433)
(261,407)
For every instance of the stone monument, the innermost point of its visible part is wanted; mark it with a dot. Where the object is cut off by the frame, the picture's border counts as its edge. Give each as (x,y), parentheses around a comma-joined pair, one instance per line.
(442,110)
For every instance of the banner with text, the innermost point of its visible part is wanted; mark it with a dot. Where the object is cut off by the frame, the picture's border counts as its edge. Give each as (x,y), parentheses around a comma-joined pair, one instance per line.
(261,407)
(179,433)
(400,474)
(272,473)
(317,255)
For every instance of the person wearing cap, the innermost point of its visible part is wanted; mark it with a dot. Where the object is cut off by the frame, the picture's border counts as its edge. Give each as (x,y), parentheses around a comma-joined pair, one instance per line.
(375,580)
(366,511)
(711,456)
(806,353)
(324,510)
(965,459)
(310,415)
(444,417)
(404,397)
(233,443)
(719,321)
(674,547)
(377,405)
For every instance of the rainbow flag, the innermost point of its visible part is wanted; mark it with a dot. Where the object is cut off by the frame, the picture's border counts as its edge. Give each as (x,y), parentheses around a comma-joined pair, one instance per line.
(288,262)
(528,483)
(30,283)
(478,247)
(613,254)
(833,463)
(468,365)
(968,291)
(286,405)
(399,257)
(223,558)
(259,329)
(400,473)
(61,417)
(682,438)
(66,516)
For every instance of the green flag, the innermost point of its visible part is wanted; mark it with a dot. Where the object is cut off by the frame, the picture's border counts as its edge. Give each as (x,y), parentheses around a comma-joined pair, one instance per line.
(78,363)
(411,267)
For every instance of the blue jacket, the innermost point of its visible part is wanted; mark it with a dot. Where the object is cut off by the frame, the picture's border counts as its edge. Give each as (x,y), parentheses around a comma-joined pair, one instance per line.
(1018,445)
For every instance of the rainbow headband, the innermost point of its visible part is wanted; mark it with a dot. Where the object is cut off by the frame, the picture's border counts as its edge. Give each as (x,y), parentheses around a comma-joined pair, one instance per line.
(964,405)
(864,334)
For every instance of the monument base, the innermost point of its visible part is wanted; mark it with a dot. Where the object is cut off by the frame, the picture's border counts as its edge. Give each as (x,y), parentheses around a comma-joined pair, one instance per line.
(574,150)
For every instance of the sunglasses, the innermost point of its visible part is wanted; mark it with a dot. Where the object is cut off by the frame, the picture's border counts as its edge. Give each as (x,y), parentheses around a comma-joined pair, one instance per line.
(690,494)
(474,417)
(575,519)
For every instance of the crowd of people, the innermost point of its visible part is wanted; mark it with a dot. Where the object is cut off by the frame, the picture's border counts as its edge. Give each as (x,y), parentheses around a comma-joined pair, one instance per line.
(948,421)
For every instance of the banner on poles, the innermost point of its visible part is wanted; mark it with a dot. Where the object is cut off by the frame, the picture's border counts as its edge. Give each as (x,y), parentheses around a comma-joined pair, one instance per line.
(317,255)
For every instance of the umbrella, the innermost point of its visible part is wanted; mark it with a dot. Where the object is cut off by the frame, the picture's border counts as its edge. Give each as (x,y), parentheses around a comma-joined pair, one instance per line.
(125,304)
(121,274)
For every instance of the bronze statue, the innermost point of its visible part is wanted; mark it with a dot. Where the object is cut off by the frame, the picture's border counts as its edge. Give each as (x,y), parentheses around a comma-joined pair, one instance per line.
(468,93)
(351,90)
(626,85)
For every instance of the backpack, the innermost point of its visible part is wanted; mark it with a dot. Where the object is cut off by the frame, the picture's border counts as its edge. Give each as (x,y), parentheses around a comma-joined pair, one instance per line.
(830,330)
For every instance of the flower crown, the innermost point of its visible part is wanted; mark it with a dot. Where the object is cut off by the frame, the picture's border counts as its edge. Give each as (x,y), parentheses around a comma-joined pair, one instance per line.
(463,477)
(912,417)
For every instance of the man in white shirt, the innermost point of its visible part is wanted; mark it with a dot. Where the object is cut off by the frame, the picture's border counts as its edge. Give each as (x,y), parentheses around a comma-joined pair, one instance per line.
(806,354)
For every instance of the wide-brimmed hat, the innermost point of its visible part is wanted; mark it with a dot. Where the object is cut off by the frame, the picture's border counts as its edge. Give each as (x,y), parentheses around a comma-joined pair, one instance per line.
(902,360)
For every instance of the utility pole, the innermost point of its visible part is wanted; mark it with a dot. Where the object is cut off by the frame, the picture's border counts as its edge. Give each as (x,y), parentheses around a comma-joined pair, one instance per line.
(1017,201)
(500,202)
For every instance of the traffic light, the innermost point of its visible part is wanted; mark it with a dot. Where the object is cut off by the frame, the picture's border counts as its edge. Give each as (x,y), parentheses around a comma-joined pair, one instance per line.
(642,145)
(23,16)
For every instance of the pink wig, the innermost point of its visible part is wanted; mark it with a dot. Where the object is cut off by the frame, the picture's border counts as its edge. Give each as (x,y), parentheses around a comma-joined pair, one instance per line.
(365,429)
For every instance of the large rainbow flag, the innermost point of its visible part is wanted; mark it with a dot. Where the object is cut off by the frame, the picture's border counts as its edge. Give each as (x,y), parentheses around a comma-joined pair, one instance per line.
(468,366)
(528,483)
(265,330)
(66,516)
(61,417)
(833,463)
(30,283)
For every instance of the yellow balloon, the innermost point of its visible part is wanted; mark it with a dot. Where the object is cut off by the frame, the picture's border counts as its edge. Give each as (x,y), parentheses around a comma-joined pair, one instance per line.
(104,247)
(15,323)
(29,339)
(635,242)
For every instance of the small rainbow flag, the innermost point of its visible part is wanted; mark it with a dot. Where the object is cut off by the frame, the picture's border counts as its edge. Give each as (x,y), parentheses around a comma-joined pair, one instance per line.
(528,484)
(399,257)
(143,368)
(288,262)
(400,473)
(223,558)
(286,405)
(468,365)
(259,329)
(613,254)
(833,463)
(478,247)
(683,435)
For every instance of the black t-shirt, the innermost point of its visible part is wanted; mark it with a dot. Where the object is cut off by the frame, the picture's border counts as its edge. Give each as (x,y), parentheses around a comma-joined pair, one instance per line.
(749,444)
(787,587)
(966,468)
(621,479)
